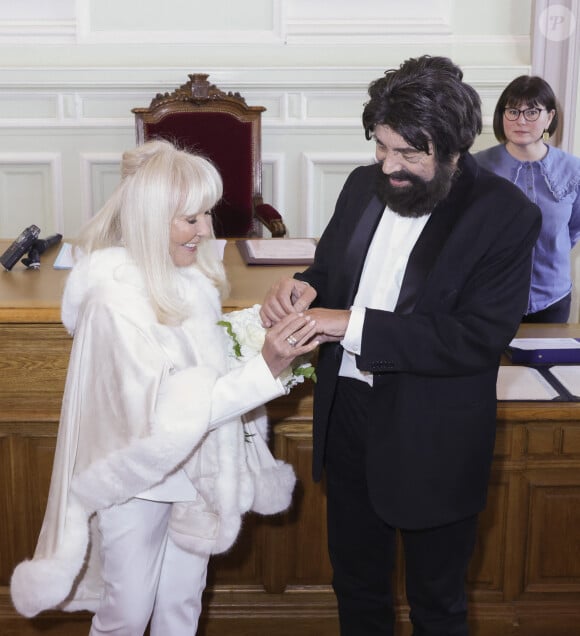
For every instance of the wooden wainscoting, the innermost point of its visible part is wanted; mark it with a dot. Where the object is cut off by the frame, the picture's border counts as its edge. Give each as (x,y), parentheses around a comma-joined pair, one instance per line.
(524,578)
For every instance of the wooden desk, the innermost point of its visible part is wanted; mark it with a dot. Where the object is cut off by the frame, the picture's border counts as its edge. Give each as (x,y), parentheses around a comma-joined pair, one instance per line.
(525,574)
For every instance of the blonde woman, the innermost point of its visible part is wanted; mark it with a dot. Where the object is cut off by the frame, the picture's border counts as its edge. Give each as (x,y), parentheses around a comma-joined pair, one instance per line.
(150,475)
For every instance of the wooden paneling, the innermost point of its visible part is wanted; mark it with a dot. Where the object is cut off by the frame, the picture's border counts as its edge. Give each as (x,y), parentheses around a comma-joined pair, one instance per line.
(553,546)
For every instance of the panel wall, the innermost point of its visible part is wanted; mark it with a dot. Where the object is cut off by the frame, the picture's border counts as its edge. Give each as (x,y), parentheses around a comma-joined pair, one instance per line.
(311,141)
(73,69)
(70,77)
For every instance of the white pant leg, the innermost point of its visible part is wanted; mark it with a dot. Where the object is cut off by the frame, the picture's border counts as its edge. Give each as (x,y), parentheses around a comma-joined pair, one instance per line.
(133,540)
(181,585)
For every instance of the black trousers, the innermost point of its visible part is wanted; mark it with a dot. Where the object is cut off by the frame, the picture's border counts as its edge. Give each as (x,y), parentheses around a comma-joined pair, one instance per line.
(362,546)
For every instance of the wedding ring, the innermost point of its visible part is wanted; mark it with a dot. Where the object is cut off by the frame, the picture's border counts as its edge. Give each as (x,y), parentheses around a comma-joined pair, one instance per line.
(291,340)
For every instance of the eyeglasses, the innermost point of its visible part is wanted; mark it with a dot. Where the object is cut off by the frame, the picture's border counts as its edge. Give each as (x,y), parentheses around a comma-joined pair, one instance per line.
(530,114)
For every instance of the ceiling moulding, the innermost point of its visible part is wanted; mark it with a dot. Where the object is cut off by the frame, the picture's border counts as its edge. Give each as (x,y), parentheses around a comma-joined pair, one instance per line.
(37,32)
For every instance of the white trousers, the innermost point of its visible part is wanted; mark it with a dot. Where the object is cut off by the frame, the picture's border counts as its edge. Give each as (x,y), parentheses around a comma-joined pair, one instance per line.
(146,575)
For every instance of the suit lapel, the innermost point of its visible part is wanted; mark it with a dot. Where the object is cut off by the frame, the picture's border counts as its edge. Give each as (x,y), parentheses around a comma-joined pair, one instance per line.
(433,238)
(357,249)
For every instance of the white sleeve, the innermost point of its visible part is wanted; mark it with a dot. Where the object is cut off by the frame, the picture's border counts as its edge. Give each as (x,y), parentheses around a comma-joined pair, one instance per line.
(352,340)
(242,390)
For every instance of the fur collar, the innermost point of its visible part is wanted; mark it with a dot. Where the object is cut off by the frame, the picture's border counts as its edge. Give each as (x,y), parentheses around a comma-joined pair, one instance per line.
(113,267)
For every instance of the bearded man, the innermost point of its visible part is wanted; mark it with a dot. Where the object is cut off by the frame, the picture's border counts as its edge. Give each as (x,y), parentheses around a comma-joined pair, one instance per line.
(419,283)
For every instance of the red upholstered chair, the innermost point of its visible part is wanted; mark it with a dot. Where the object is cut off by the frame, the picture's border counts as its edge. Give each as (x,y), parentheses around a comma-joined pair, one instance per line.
(199,117)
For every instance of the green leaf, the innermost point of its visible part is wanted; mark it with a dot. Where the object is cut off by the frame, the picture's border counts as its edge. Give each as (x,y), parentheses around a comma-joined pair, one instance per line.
(308,372)
(232,334)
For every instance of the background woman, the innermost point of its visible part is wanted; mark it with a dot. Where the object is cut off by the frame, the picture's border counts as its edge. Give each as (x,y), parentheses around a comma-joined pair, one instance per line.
(150,474)
(525,118)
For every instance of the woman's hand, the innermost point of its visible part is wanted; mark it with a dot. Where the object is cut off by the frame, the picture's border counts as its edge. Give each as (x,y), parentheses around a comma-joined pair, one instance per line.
(290,337)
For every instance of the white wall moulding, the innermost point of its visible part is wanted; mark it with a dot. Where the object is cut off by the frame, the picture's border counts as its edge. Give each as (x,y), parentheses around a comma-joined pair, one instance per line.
(100,174)
(37,10)
(366,19)
(273,181)
(62,98)
(111,106)
(167,78)
(27,107)
(323,176)
(38,22)
(178,22)
(30,192)
(340,107)
(428,23)
(85,113)
(290,22)
(37,32)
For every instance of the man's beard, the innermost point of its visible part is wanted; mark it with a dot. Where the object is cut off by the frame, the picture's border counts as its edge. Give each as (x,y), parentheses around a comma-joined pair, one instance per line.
(420,196)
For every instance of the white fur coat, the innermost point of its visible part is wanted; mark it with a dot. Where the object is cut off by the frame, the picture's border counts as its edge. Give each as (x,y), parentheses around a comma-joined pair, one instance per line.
(141,401)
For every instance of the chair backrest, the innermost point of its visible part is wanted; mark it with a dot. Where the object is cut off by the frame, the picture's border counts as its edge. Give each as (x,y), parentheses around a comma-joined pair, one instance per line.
(199,117)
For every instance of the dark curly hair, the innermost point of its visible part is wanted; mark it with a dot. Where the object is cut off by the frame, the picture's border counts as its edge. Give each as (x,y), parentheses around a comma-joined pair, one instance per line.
(425,100)
(525,89)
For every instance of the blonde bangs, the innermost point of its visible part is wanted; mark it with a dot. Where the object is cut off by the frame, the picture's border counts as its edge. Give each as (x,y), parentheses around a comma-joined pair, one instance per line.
(207,190)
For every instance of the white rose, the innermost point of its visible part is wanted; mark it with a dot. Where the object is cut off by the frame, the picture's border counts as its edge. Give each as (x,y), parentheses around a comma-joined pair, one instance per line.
(252,337)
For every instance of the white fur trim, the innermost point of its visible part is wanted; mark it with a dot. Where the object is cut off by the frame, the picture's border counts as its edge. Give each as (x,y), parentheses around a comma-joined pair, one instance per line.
(273,490)
(42,583)
(89,271)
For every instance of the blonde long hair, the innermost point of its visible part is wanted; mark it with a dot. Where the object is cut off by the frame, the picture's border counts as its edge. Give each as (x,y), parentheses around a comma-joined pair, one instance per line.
(158,183)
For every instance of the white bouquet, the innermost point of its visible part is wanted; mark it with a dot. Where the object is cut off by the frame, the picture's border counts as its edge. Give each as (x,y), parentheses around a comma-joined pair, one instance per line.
(246,338)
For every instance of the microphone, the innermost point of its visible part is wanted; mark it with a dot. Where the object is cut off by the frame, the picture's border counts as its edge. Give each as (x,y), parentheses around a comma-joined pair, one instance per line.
(39,247)
(20,246)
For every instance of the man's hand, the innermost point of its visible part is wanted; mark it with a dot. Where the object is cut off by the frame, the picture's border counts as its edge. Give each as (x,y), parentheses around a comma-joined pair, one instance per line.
(286,296)
(331,324)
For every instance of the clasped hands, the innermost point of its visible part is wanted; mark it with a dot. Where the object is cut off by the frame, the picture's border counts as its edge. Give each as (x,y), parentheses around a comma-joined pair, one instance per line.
(291,296)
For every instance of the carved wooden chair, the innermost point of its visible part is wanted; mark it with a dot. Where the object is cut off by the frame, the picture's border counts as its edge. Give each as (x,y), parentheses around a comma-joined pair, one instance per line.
(199,117)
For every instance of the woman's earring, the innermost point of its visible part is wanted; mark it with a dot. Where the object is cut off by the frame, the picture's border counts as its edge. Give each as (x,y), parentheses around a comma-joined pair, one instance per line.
(545,135)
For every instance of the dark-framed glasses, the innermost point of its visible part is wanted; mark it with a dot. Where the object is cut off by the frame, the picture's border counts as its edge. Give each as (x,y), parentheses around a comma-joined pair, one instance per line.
(530,114)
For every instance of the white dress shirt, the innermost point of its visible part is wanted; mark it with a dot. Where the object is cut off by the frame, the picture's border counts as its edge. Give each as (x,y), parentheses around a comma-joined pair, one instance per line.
(380,281)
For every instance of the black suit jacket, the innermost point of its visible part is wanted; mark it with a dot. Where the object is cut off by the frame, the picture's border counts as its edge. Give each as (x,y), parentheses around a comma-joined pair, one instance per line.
(435,358)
